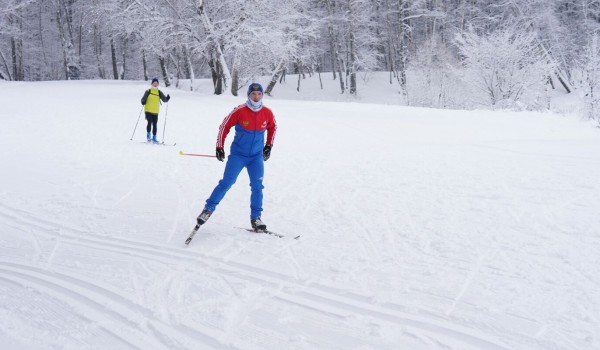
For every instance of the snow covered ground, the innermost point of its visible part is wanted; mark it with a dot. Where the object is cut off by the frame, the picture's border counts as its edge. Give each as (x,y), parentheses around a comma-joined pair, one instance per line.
(421,228)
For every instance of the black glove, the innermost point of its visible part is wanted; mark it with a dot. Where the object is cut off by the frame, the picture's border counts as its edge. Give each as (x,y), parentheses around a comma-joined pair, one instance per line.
(220,154)
(168,98)
(267,152)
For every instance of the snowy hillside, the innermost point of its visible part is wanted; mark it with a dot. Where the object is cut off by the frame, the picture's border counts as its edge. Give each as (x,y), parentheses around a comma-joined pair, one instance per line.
(421,228)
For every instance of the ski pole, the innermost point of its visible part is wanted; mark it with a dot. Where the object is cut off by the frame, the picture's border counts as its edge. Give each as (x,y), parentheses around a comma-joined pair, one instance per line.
(136,123)
(196,154)
(165,125)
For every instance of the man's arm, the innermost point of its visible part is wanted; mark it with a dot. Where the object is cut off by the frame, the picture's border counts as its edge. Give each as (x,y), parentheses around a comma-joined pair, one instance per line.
(271,130)
(145,97)
(226,125)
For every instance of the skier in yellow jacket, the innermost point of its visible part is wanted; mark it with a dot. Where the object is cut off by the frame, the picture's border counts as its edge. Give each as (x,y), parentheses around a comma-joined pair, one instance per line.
(151,101)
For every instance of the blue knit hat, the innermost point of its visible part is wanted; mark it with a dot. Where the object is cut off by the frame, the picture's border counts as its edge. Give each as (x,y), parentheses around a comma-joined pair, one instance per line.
(154,80)
(255,87)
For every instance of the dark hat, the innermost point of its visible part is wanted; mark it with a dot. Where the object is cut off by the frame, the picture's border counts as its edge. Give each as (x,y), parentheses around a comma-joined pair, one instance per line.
(154,80)
(254,87)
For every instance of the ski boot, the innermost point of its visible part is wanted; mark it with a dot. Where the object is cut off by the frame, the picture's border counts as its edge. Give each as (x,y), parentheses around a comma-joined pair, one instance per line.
(148,137)
(203,217)
(154,140)
(258,225)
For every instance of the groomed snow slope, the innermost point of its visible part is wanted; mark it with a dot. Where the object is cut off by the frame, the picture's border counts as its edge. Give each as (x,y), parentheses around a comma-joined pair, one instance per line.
(421,228)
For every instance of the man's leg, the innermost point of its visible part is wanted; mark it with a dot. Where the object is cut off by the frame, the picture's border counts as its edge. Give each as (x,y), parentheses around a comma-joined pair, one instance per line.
(234,166)
(256,172)
(149,119)
(154,124)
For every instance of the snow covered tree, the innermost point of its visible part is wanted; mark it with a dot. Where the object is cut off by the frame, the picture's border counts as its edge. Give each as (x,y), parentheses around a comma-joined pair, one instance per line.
(64,21)
(288,42)
(503,63)
(396,27)
(12,28)
(333,30)
(217,62)
(237,41)
(591,77)
(433,69)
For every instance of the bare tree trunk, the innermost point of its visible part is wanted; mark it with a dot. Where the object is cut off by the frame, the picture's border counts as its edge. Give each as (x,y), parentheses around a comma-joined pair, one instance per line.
(163,68)
(352,64)
(319,73)
(391,58)
(42,34)
(68,8)
(562,81)
(124,55)
(98,52)
(389,50)
(20,49)
(300,71)
(80,42)
(189,66)
(15,21)
(557,71)
(283,73)
(64,9)
(4,60)
(178,67)
(279,70)
(61,33)
(113,55)
(217,77)
(145,65)
(402,40)
(17,59)
(332,50)
(235,77)
(336,45)
(462,21)
(353,55)
(551,82)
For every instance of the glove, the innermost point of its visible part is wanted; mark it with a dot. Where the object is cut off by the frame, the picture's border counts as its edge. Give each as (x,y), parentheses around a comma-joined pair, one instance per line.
(267,152)
(168,98)
(220,154)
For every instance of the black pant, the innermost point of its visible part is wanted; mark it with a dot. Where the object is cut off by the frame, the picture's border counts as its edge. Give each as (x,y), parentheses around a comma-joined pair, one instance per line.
(152,121)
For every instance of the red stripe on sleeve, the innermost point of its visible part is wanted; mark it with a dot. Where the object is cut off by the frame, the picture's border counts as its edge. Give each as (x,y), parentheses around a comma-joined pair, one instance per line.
(226,125)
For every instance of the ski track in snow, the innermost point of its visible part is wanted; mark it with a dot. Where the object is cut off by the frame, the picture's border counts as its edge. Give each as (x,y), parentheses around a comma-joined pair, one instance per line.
(119,316)
(123,317)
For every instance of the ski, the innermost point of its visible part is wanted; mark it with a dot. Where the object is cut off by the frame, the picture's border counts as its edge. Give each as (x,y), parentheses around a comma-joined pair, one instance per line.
(278,235)
(195,230)
(189,239)
(159,143)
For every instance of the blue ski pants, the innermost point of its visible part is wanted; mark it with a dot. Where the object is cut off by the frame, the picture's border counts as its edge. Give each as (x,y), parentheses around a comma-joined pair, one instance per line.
(256,170)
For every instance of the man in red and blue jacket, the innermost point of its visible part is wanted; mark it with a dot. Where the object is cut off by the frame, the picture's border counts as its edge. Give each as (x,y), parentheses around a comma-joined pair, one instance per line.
(248,150)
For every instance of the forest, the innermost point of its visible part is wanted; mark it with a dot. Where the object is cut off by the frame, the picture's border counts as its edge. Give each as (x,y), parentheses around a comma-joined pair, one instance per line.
(435,53)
